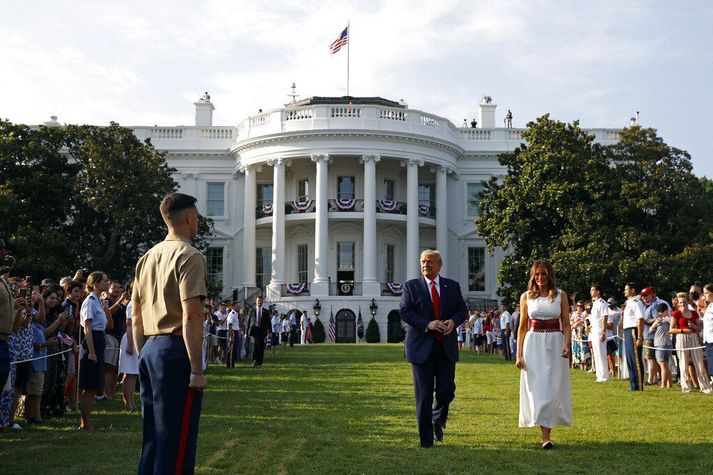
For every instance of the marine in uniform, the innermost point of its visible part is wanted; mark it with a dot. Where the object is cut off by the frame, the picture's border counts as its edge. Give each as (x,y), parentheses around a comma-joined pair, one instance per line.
(168,295)
(633,323)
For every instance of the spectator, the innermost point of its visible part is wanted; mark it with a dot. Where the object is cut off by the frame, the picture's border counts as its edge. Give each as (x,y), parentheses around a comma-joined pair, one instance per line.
(650,314)
(662,341)
(71,304)
(128,363)
(56,320)
(505,331)
(684,323)
(234,336)
(275,330)
(613,338)
(708,326)
(285,335)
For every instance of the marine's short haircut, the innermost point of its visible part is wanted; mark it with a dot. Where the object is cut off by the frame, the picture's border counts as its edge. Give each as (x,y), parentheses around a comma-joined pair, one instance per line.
(174,203)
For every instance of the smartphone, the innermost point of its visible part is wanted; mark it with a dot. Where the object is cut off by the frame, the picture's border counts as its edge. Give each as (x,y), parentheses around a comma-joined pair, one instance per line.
(25,293)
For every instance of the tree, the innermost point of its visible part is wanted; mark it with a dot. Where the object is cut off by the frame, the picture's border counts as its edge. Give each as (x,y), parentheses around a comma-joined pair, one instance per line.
(372,332)
(600,214)
(82,196)
(318,334)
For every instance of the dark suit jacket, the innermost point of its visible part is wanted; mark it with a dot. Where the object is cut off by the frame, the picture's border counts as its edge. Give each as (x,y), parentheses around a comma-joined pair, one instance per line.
(417,311)
(264,323)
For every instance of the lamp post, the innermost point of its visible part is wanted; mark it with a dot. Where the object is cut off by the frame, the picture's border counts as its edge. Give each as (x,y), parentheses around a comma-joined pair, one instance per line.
(373,308)
(317,308)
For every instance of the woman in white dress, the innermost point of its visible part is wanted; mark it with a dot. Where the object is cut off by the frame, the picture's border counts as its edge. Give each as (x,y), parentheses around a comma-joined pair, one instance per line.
(128,363)
(543,348)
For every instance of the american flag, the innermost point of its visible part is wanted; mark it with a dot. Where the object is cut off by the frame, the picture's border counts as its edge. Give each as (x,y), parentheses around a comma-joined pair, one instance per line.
(341,41)
(332,331)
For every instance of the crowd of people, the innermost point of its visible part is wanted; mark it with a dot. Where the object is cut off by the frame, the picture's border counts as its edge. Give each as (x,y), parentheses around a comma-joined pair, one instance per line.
(676,339)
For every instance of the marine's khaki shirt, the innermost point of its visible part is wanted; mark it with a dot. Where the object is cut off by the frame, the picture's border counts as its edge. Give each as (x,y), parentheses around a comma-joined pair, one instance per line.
(171,272)
(7,309)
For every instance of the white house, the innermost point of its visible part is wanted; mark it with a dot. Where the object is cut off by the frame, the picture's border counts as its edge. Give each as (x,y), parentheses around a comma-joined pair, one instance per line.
(333,198)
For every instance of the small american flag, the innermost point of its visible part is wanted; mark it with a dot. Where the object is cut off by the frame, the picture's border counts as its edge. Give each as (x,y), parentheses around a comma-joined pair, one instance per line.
(332,332)
(341,41)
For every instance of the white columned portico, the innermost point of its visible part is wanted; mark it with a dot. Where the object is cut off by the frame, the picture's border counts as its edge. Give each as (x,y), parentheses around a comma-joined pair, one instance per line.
(249,204)
(320,284)
(412,241)
(442,215)
(277,279)
(370,283)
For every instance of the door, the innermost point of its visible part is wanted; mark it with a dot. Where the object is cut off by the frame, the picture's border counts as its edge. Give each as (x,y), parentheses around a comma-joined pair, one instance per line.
(346,326)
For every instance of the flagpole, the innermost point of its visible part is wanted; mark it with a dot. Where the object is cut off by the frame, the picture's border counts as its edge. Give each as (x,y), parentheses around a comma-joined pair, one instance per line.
(349,40)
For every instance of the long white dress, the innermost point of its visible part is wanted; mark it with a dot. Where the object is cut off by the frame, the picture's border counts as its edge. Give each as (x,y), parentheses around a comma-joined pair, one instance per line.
(545,394)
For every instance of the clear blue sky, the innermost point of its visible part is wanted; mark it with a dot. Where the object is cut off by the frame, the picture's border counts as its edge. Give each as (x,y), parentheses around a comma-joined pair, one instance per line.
(144,63)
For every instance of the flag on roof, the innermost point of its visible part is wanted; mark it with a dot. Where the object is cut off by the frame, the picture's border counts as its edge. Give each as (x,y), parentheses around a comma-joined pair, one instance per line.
(341,41)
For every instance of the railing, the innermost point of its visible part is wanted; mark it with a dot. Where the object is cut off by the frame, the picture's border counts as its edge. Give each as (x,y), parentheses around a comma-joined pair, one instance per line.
(393,114)
(167,133)
(390,207)
(295,290)
(346,111)
(424,211)
(299,114)
(345,288)
(217,133)
(390,289)
(346,205)
(475,134)
(300,206)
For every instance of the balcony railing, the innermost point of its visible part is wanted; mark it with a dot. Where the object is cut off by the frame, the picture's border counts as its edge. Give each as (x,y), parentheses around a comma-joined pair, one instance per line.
(345,288)
(390,289)
(346,205)
(481,304)
(295,290)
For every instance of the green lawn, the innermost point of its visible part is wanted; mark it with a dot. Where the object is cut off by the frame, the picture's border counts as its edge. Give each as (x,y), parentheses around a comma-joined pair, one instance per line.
(349,409)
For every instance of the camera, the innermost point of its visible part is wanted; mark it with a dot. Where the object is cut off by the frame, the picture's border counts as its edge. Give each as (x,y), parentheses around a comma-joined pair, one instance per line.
(25,293)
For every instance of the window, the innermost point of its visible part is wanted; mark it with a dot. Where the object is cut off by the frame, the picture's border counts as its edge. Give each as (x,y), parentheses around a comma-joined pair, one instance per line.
(302,263)
(345,255)
(345,187)
(426,195)
(476,269)
(214,263)
(473,198)
(216,199)
(302,190)
(264,194)
(389,191)
(389,267)
(263,266)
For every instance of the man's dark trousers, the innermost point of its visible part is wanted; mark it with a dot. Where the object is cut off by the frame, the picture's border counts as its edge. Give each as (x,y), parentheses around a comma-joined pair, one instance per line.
(259,350)
(437,372)
(634,363)
(169,409)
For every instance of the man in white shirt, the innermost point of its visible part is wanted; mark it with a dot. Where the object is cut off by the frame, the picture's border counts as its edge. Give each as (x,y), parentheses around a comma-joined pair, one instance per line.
(708,326)
(234,337)
(478,332)
(303,328)
(505,331)
(598,333)
(633,319)
(221,326)
(293,327)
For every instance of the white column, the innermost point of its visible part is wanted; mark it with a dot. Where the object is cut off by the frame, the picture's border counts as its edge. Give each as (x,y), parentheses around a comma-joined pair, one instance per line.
(370,283)
(320,284)
(412,265)
(278,229)
(442,215)
(249,205)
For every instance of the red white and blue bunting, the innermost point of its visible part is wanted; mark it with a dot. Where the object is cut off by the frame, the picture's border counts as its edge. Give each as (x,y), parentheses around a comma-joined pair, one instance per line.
(424,210)
(345,204)
(388,206)
(394,288)
(267,209)
(296,289)
(302,206)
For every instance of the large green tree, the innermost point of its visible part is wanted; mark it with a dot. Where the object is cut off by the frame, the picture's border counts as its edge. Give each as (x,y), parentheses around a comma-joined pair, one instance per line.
(82,196)
(600,214)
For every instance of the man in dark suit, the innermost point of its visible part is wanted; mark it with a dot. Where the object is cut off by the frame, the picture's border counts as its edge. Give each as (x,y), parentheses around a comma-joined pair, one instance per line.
(433,307)
(258,327)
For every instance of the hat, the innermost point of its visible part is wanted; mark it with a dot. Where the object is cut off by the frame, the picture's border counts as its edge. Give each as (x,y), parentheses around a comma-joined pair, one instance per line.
(48,282)
(647,291)
(612,302)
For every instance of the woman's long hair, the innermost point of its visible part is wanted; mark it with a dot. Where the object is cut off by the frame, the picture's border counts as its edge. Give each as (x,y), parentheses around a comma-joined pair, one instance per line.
(533,290)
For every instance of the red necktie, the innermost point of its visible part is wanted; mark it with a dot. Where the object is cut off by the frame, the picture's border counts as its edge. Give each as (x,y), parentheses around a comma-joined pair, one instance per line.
(436,307)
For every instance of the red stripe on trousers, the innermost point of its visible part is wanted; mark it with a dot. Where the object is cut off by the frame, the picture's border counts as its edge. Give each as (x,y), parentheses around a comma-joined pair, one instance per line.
(183,440)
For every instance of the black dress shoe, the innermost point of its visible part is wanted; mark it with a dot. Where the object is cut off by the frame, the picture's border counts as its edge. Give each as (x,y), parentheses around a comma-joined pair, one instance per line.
(548,445)
(438,431)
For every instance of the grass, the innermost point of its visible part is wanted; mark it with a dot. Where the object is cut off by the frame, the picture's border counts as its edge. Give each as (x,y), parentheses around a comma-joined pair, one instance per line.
(349,409)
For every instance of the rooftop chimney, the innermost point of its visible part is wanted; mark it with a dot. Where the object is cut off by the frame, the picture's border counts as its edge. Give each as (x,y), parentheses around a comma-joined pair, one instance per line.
(204,111)
(486,113)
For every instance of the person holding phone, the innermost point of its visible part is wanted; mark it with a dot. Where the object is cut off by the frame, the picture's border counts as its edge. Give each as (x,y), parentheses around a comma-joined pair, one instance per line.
(685,324)
(93,318)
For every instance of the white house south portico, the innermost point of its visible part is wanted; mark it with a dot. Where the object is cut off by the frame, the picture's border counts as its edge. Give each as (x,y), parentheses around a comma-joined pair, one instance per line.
(334,198)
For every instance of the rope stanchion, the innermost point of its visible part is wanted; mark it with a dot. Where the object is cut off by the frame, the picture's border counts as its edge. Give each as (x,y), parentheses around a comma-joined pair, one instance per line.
(56,354)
